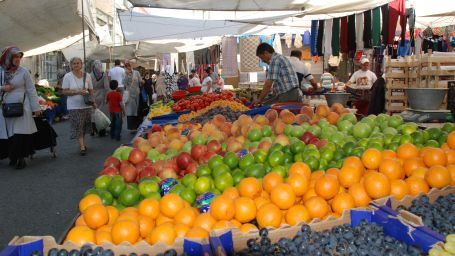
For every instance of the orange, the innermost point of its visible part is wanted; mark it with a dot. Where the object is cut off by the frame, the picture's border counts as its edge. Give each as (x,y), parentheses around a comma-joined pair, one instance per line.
(81,235)
(327,187)
(164,233)
(342,202)
(419,172)
(80,221)
(299,184)
(411,164)
(417,185)
(260,201)
(301,168)
(113,214)
(205,221)
(103,236)
(247,227)
(371,158)
(88,201)
(377,185)
(450,156)
(265,194)
(161,219)
(407,150)
(197,232)
(231,192)
(451,169)
(106,228)
(438,176)
(131,210)
(149,207)
(389,154)
(269,215)
(317,207)
(283,196)
(451,140)
(349,176)
(250,187)
(359,194)
(309,194)
(434,156)
(223,224)
(96,216)
(445,146)
(181,230)
(423,151)
(297,214)
(391,168)
(354,162)
(333,171)
(125,231)
(222,208)
(245,209)
(186,216)
(271,180)
(127,217)
(170,205)
(316,175)
(236,223)
(399,188)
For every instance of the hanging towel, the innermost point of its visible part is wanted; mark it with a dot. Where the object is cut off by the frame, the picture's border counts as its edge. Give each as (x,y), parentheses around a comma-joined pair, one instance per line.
(277,44)
(298,41)
(288,40)
(367,29)
(229,52)
(396,9)
(359,31)
(344,35)
(249,62)
(385,23)
(307,37)
(314,34)
(376,28)
(320,37)
(336,37)
(351,33)
(328,37)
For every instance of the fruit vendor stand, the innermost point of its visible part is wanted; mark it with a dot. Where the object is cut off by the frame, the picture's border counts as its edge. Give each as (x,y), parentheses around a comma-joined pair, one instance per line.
(49,102)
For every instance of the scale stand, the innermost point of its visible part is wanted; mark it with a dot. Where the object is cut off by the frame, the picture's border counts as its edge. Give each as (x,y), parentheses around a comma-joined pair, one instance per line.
(425,116)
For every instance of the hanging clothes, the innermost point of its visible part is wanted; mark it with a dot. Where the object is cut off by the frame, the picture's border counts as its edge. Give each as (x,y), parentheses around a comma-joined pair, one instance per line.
(385,24)
(307,37)
(376,28)
(198,57)
(182,62)
(214,54)
(344,35)
(367,30)
(411,17)
(229,51)
(396,9)
(328,37)
(404,49)
(314,38)
(166,59)
(320,37)
(336,37)
(418,43)
(277,44)
(249,62)
(190,61)
(359,31)
(288,40)
(298,41)
(351,33)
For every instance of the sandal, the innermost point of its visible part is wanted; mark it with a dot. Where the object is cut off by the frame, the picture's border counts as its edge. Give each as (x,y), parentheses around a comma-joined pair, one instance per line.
(83,152)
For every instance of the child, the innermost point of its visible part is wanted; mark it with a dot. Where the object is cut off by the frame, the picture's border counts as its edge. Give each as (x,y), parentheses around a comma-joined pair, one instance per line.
(114,101)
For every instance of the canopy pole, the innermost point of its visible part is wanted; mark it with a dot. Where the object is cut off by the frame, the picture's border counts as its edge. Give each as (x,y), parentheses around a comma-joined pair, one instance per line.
(83,36)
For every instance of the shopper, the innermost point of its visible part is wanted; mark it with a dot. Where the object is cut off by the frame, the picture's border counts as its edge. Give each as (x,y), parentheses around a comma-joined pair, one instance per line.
(16,86)
(131,99)
(118,73)
(280,76)
(148,85)
(100,88)
(116,111)
(302,70)
(207,82)
(219,83)
(161,87)
(80,113)
(194,81)
(182,82)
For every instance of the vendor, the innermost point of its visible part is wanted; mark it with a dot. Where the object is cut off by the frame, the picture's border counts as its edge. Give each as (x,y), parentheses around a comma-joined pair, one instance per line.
(301,69)
(363,77)
(281,76)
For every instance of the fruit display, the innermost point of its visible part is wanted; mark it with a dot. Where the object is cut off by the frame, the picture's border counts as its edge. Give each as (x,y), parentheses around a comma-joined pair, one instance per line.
(230,115)
(448,249)
(160,108)
(224,107)
(438,216)
(248,93)
(364,239)
(194,103)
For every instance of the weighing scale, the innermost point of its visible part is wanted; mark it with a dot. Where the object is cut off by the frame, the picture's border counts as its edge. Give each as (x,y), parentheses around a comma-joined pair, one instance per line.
(425,116)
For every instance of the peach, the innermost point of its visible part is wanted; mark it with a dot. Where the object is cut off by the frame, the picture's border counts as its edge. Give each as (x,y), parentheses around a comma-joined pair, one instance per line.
(176,144)
(173,133)
(332,117)
(162,148)
(302,118)
(337,107)
(279,126)
(235,129)
(234,146)
(138,141)
(322,110)
(265,145)
(167,127)
(307,110)
(245,119)
(282,139)
(271,114)
(261,120)
(241,139)
(315,119)
(287,116)
(226,128)
(219,120)
(155,139)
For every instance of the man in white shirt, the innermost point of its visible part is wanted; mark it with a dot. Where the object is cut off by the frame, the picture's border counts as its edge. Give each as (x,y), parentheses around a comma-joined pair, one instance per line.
(363,77)
(194,81)
(301,69)
(118,73)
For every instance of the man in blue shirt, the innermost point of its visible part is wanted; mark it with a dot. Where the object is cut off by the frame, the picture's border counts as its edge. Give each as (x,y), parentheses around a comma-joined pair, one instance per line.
(280,76)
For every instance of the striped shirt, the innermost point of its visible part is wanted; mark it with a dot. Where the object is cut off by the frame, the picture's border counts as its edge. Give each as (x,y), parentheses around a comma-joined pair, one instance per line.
(282,74)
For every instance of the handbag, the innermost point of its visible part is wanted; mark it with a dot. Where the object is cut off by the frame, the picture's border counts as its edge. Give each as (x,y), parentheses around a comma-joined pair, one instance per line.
(11,109)
(88,99)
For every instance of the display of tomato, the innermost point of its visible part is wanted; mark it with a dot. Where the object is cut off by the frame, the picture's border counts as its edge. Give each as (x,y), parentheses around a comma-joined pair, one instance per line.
(195,103)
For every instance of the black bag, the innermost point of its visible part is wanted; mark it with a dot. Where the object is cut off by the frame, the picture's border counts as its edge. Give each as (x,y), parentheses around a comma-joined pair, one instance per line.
(13,109)
(88,99)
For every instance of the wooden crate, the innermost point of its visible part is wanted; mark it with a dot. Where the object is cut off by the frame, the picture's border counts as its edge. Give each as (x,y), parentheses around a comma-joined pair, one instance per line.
(435,71)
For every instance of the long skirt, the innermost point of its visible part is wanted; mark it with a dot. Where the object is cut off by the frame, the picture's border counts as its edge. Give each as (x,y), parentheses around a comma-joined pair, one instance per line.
(20,146)
(80,121)
(132,122)
(4,148)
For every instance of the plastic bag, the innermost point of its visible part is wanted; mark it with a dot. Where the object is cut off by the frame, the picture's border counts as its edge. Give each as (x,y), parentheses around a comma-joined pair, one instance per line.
(126,96)
(101,120)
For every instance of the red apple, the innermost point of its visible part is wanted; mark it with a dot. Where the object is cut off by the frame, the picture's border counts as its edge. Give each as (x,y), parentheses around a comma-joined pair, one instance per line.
(129,173)
(168,173)
(142,165)
(138,141)
(124,163)
(148,171)
(197,151)
(110,171)
(183,160)
(192,168)
(214,146)
(206,157)
(112,161)
(306,137)
(136,156)
(162,148)
(314,141)
(156,128)
(321,143)
(265,145)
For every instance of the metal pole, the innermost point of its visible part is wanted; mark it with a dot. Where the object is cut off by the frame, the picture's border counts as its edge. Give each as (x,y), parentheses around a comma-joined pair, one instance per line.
(83,38)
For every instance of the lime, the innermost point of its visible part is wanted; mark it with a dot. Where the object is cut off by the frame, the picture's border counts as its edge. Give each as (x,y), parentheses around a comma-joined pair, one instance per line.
(417,137)
(154,195)
(288,158)
(231,160)
(246,161)
(275,147)
(287,149)
(117,177)
(310,147)
(214,161)
(106,197)
(224,181)
(375,145)
(358,151)
(434,133)
(260,156)
(202,185)
(348,147)
(323,164)
(129,196)
(255,170)
(255,134)
(312,152)
(203,170)
(267,131)
(116,187)
(220,169)
(393,146)
(298,158)
(432,143)
(267,167)
(443,138)
(297,131)
(288,130)
(188,195)
(103,181)
(148,186)
(189,179)
(90,191)
(297,147)
(281,170)
(312,162)
(237,176)
(405,138)
(177,189)
(326,154)
(276,158)
(448,127)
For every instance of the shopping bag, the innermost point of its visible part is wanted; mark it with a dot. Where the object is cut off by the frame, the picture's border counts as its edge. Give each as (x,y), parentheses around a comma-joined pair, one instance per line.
(101,120)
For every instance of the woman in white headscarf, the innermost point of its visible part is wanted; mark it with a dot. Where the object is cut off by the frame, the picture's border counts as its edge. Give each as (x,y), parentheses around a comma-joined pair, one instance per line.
(101,87)
(132,86)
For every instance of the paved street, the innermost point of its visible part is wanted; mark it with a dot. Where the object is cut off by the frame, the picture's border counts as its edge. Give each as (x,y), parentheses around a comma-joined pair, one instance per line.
(42,199)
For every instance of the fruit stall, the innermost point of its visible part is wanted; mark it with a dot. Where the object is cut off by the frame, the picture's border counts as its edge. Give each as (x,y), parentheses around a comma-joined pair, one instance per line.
(226,180)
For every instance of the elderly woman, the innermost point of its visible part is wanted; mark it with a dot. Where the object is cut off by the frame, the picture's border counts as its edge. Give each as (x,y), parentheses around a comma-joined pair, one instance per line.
(131,99)
(100,82)
(79,112)
(207,83)
(16,86)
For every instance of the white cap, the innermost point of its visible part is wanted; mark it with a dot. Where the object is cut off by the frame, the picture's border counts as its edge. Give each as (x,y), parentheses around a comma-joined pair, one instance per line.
(364,60)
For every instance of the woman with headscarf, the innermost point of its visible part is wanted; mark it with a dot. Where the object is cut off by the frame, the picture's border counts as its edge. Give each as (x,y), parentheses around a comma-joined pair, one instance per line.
(100,87)
(131,99)
(170,81)
(79,112)
(16,86)
(160,87)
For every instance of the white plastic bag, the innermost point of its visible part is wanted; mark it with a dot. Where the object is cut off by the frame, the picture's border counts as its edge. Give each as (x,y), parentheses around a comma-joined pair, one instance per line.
(101,120)
(126,97)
